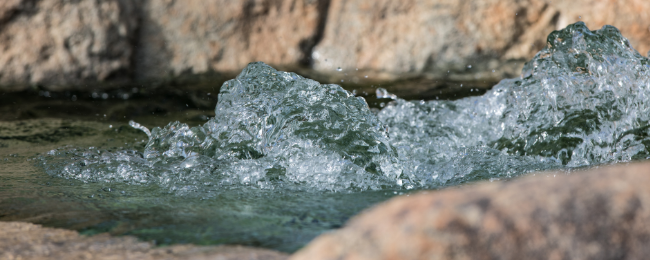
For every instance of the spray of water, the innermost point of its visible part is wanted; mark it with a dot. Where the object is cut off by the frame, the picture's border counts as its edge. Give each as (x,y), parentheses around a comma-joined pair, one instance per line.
(581,101)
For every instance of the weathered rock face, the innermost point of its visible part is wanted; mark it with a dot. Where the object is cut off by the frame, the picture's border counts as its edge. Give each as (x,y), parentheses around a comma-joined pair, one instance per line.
(60,43)
(28,241)
(222,35)
(436,36)
(599,214)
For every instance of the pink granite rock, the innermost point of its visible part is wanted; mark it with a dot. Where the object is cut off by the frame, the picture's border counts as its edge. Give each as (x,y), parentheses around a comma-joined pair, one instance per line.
(62,44)
(59,44)
(601,213)
(28,241)
(467,38)
(221,35)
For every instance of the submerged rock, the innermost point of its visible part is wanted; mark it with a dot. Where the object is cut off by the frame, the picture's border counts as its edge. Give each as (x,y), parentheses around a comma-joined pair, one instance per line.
(28,241)
(596,214)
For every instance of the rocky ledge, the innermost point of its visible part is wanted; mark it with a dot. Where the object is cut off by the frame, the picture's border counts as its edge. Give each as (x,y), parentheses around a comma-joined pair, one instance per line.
(61,44)
(20,240)
(601,213)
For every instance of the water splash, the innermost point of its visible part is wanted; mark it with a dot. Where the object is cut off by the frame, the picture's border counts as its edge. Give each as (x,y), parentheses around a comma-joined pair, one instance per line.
(582,101)
(270,129)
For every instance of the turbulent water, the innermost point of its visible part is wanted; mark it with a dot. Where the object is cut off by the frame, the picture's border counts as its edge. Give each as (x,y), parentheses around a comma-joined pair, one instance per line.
(583,100)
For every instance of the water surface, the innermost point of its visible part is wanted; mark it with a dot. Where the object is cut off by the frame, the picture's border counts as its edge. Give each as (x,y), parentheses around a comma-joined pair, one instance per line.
(285,158)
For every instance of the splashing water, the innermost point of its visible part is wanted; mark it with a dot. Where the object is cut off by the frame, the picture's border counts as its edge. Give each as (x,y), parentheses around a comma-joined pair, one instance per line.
(582,101)
(271,129)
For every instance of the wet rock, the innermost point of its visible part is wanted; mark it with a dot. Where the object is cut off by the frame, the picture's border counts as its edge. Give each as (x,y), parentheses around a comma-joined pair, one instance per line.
(602,213)
(60,44)
(221,35)
(28,241)
(469,39)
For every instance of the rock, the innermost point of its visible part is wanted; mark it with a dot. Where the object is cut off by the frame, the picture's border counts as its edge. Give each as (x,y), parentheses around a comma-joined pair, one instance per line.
(467,38)
(602,213)
(196,36)
(28,241)
(59,44)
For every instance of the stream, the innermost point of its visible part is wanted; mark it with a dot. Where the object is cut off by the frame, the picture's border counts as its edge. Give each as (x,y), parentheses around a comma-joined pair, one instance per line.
(281,158)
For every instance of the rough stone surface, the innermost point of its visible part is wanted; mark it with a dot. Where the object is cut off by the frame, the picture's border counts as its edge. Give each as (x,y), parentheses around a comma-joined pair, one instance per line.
(603,213)
(59,43)
(222,35)
(28,241)
(436,36)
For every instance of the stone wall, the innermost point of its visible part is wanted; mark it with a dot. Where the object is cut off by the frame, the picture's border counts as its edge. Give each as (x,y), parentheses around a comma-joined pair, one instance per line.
(59,44)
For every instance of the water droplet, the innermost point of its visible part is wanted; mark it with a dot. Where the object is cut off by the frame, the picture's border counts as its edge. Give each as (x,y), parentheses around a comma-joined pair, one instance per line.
(339,69)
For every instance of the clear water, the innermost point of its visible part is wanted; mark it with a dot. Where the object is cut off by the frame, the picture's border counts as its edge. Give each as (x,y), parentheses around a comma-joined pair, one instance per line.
(280,219)
(581,101)
(289,144)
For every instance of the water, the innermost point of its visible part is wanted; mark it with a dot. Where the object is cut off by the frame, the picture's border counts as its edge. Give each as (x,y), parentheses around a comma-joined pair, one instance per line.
(582,101)
(286,158)
(283,220)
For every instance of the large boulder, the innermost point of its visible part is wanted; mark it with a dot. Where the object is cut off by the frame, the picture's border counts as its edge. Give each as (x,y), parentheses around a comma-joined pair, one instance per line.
(28,241)
(59,44)
(194,36)
(602,213)
(469,39)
